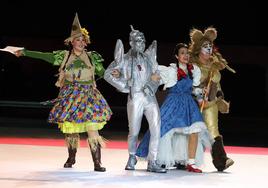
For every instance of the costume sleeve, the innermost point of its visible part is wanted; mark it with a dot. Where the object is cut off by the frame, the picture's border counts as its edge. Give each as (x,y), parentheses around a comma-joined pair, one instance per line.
(219,93)
(196,75)
(55,58)
(168,75)
(121,83)
(151,86)
(97,60)
(197,91)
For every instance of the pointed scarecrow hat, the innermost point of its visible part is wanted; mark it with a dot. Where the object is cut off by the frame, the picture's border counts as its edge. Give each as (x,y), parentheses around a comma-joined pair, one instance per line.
(77,31)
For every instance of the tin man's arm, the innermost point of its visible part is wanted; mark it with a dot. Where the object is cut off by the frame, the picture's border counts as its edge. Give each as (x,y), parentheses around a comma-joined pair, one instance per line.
(119,81)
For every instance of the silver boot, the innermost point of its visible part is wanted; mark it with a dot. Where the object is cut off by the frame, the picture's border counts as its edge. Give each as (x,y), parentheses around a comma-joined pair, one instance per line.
(154,167)
(132,161)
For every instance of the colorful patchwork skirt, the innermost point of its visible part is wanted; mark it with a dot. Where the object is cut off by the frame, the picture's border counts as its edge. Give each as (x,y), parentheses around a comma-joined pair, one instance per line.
(79,108)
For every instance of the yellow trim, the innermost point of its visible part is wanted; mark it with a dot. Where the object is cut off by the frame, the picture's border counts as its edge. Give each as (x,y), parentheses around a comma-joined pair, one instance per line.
(71,127)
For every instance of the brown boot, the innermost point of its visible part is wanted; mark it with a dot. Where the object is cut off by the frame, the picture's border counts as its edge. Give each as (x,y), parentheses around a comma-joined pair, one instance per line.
(220,159)
(96,156)
(95,145)
(72,142)
(71,159)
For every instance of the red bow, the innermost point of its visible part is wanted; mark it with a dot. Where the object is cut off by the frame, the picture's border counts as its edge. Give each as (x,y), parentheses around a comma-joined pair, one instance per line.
(181,74)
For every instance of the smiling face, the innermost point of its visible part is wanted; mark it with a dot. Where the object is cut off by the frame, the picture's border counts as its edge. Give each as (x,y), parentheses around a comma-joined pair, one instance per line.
(79,44)
(183,55)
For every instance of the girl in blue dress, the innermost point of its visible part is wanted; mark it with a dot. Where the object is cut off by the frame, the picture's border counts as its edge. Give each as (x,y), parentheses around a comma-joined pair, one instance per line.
(184,135)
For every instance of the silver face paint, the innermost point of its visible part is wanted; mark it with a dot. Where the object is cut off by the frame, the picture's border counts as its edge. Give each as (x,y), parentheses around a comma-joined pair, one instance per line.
(137,41)
(138,44)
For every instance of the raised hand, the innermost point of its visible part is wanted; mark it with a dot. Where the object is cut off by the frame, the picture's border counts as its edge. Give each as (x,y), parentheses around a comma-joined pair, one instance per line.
(17,51)
(115,73)
(155,77)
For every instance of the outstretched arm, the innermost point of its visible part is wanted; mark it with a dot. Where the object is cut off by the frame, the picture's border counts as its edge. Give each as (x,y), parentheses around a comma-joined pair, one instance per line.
(46,56)
(54,58)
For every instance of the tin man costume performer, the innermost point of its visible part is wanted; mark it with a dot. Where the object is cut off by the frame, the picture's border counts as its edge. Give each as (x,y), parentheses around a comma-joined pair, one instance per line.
(135,73)
(211,63)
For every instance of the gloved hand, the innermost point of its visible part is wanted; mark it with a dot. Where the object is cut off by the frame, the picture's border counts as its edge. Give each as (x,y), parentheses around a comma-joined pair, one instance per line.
(220,94)
(148,91)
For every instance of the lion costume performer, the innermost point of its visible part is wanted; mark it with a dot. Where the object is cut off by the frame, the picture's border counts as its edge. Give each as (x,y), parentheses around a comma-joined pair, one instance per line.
(212,100)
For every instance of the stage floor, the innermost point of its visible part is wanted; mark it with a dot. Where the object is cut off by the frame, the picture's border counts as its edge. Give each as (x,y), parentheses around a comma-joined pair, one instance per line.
(38,162)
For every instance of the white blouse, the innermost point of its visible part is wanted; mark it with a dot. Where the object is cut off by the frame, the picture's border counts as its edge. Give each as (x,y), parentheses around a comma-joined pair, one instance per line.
(169,74)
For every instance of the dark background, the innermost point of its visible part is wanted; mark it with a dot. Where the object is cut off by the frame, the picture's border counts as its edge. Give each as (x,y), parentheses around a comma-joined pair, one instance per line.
(43,26)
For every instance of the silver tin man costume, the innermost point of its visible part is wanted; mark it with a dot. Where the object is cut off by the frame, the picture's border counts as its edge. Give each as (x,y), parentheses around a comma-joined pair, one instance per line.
(136,69)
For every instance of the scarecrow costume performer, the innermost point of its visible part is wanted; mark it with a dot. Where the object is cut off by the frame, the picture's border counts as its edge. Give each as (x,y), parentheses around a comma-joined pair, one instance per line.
(79,107)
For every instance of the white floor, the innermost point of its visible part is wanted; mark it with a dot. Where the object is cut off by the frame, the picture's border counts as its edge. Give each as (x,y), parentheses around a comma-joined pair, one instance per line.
(41,166)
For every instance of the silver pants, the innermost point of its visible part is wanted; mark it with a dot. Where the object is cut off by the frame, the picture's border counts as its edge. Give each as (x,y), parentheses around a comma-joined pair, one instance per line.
(138,105)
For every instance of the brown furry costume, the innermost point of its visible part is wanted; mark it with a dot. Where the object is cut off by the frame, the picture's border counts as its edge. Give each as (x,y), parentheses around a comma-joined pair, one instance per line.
(210,78)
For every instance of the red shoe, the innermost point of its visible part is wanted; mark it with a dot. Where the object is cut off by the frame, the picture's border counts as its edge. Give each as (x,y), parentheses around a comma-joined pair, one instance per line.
(193,168)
